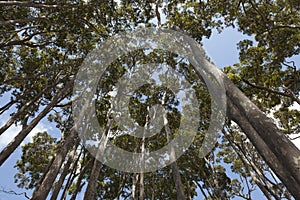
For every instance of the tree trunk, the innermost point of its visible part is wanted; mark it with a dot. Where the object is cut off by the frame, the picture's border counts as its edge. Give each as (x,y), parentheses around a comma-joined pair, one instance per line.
(135,178)
(59,183)
(91,190)
(11,147)
(78,183)
(174,166)
(45,187)
(278,151)
(90,193)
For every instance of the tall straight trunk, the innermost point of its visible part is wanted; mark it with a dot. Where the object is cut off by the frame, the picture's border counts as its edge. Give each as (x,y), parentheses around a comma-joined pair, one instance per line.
(278,151)
(90,193)
(79,180)
(91,190)
(121,185)
(146,127)
(69,182)
(43,190)
(174,166)
(59,183)
(282,156)
(134,194)
(11,147)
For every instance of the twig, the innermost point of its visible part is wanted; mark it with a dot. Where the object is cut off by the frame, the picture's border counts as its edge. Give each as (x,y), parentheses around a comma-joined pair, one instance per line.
(14,193)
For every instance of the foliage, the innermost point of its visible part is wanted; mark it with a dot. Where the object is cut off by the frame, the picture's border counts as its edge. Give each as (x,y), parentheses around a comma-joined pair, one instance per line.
(43,43)
(35,160)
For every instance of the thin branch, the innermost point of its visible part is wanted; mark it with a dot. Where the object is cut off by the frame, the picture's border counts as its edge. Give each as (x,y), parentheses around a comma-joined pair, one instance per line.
(6,106)
(266,89)
(14,193)
(14,21)
(35,5)
(295,138)
(22,42)
(286,26)
(291,94)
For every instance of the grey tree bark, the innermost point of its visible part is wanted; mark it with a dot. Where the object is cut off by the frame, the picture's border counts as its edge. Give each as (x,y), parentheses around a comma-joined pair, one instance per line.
(278,151)
(174,166)
(59,183)
(11,147)
(43,190)
(282,156)
(90,193)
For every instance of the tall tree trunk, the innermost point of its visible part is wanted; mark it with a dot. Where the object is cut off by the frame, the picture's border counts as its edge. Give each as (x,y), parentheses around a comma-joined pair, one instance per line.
(135,178)
(11,147)
(59,183)
(174,166)
(121,185)
(43,190)
(278,151)
(146,129)
(79,180)
(91,190)
(90,193)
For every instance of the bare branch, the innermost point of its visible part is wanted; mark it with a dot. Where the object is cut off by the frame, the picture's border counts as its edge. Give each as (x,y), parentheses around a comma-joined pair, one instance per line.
(295,138)
(14,193)
(14,21)
(24,41)
(266,89)
(291,94)
(35,5)
(288,92)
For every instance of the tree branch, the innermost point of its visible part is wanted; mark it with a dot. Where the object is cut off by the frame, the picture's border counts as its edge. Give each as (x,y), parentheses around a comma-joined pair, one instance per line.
(266,89)
(14,193)
(24,41)
(14,21)
(288,92)
(286,26)
(35,5)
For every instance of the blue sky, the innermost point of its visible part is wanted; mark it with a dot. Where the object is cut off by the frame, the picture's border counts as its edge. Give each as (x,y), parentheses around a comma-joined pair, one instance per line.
(221,48)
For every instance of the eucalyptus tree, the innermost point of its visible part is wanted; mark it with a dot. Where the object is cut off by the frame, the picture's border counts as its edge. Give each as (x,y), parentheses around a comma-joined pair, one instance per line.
(43,44)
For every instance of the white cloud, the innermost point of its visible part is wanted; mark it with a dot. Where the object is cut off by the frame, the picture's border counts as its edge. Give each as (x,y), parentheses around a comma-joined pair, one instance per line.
(10,133)
(41,127)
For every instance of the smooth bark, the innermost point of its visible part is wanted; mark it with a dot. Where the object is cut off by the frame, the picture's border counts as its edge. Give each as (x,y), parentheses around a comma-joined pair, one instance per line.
(66,169)
(13,145)
(174,166)
(282,156)
(275,163)
(91,190)
(45,187)
(79,186)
